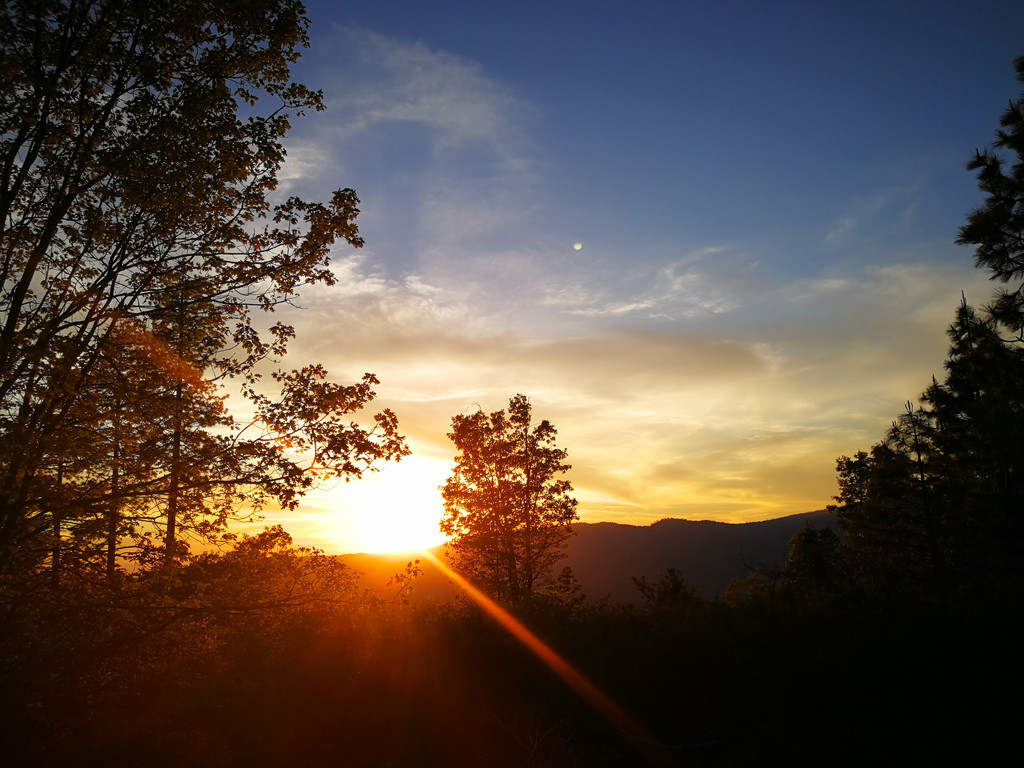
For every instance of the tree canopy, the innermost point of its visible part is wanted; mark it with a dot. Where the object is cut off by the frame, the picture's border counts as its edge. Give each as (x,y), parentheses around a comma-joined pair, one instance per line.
(932,513)
(507,512)
(142,250)
(996,229)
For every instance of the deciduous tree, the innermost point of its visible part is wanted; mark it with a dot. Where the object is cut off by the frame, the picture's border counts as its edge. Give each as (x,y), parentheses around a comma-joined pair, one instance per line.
(140,142)
(508,513)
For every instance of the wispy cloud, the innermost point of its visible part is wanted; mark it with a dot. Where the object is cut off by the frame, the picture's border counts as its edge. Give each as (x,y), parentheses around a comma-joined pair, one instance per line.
(841,229)
(685,379)
(737,418)
(409,82)
(438,148)
(304,160)
(874,213)
(684,288)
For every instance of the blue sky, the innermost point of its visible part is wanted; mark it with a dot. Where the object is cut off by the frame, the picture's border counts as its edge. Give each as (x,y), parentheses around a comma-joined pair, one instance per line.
(766,195)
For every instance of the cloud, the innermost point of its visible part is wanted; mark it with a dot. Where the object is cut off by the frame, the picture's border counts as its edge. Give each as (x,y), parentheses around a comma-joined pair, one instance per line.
(690,379)
(408,82)
(737,416)
(881,211)
(302,162)
(682,288)
(841,229)
(438,150)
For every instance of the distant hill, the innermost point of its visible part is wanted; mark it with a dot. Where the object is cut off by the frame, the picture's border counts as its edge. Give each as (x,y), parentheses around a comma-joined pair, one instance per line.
(606,556)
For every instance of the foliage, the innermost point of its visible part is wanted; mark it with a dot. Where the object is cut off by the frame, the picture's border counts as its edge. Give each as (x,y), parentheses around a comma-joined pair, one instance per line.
(932,513)
(670,592)
(404,582)
(94,642)
(812,574)
(563,593)
(755,591)
(507,515)
(996,230)
(139,149)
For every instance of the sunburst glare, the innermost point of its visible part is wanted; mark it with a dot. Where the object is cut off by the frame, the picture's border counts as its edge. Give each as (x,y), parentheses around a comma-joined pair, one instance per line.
(394,510)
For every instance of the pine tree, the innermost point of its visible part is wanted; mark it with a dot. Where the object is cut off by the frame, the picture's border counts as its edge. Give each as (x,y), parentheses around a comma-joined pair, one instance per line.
(996,230)
(934,512)
(978,412)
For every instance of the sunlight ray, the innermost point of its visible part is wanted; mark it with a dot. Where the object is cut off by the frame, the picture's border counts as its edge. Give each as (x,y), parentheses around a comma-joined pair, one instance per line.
(656,753)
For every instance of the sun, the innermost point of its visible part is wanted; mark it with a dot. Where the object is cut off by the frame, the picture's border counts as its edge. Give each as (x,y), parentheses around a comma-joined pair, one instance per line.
(401,524)
(397,509)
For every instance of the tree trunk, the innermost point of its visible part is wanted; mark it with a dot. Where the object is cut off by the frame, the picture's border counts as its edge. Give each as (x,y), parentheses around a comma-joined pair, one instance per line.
(173,490)
(114,505)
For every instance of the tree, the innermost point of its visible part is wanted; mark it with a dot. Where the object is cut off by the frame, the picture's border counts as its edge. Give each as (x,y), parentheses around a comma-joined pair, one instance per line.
(669,594)
(140,142)
(933,512)
(811,574)
(996,230)
(978,417)
(507,516)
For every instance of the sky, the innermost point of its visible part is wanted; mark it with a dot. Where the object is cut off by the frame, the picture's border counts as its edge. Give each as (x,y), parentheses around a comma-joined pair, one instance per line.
(765,197)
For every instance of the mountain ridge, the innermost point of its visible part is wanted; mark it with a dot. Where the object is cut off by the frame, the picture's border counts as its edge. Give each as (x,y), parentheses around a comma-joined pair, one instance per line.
(606,556)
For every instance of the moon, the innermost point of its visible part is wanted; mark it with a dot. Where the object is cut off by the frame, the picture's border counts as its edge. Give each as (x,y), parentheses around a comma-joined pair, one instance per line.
(577,246)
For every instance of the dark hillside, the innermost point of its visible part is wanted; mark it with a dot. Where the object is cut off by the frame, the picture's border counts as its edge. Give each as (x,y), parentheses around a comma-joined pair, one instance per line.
(606,556)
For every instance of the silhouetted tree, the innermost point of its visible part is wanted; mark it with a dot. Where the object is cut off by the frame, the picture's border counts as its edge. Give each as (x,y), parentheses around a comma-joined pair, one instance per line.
(669,593)
(996,230)
(934,511)
(812,574)
(139,142)
(507,515)
(977,414)
(887,510)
